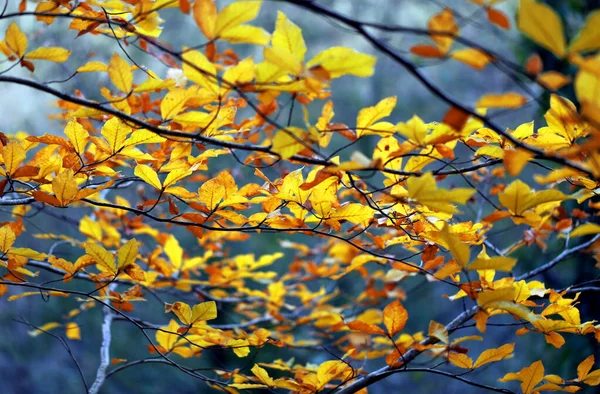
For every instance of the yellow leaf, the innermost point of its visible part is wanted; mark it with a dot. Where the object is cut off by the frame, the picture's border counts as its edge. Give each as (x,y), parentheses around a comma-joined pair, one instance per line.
(52,54)
(585,229)
(593,379)
(461,360)
(443,22)
(262,375)
(438,330)
(340,61)
(174,251)
(148,175)
(328,371)
(45,327)
(394,317)
(205,15)
(239,347)
(127,253)
(368,116)
(198,69)
(415,130)
(204,311)
(498,263)
(518,197)
(505,100)
(354,213)
(167,337)
(542,24)
(181,310)
(120,73)
(77,135)
(492,355)
(218,189)
(424,190)
(531,376)
(115,131)
(13,155)
(283,59)
(72,331)
(93,67)
(515,160)
(563,119)
(246,34)
(16,39)
(472,57)
(553,80)
(288,36)
(174,102)
(248,386)
(518,310)
(143,136)
(235,14)
(501,294)
(458,249)
(175,176)
(589,37)
(65,187)
(101,256)
(241,73)
(287,143)
(7,238)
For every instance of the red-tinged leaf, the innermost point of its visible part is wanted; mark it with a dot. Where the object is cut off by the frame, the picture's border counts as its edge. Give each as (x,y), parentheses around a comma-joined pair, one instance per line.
(46,198)
(456,118)
(367,328)
(498,18)
(428,51)
(394,317)
(184,6)
(534,65)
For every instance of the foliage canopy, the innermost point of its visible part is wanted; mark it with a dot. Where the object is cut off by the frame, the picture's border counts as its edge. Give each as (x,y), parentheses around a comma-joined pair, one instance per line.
(167,173)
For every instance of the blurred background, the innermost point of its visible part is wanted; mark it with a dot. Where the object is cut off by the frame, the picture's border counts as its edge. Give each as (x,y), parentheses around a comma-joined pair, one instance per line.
(41,364)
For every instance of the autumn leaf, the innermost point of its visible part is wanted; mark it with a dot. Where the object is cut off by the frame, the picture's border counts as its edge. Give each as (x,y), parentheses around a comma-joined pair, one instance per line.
(340,61)
(506,100)
(13,155)
(394,317)
(16,39)
(589,36)
(52,54)
(7,239)
(102,256)
(73,331)
(127,253)
(120,73)
(424,190)
(529,376)
(193,316)
(492,355)
(148,175)
(543,25)
(65,187)
(518,197)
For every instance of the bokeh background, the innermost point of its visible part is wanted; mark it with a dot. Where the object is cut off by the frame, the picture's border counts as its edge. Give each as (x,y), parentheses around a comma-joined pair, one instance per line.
(41,365)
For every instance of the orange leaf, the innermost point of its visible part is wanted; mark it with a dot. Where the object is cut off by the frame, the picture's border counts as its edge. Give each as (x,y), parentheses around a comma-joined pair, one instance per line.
(515,160)
(394,317)
(491,355)
(498,18)
(425,50)
(461,360)
(367,328)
